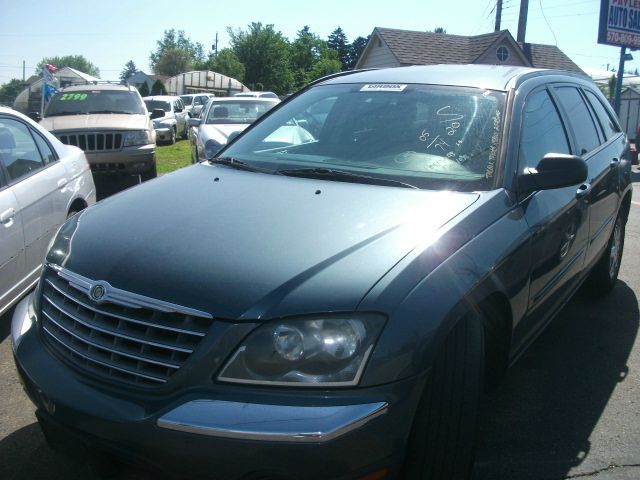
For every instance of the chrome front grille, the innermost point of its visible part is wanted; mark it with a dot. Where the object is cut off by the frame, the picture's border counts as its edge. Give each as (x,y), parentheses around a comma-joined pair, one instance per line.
(126,337)
(93,142)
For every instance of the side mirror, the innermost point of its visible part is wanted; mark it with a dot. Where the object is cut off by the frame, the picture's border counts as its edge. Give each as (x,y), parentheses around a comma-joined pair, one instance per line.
(157,113)
(193,122)
(555,170)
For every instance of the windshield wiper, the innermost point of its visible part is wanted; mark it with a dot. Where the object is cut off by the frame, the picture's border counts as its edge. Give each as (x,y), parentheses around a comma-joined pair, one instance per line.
(342,176)
(62,114)
(238,164)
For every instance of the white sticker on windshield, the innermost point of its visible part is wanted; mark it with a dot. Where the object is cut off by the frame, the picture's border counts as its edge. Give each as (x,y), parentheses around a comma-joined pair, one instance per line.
(383,87)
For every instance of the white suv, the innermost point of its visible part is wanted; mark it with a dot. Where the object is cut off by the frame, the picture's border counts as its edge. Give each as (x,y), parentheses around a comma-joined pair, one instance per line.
(169,117)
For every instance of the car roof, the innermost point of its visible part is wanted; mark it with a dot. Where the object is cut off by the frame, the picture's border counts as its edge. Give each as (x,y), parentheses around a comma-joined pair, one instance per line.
(245,99)
(97,86)
(197,94)
(165,98)
(492,77)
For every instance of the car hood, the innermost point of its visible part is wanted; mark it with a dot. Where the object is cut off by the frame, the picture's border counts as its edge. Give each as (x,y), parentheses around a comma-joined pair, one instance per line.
(243,245)
(221,131)
(102,121)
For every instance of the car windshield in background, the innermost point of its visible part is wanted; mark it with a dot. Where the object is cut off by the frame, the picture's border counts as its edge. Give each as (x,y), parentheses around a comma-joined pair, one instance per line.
(237,112)
(187,99)
(94,101)
(153,104)
(430,137)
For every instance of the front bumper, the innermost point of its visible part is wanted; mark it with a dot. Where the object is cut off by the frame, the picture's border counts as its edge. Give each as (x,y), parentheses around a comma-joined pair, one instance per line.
(128,160)
(219,431)
(163,134)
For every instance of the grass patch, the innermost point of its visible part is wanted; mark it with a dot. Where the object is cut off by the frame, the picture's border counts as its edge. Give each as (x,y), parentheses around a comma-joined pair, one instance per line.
(173,157)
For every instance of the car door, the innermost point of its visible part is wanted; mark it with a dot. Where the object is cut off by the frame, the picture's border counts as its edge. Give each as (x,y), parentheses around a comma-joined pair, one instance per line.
(12,266)
(558,218)
(604,162)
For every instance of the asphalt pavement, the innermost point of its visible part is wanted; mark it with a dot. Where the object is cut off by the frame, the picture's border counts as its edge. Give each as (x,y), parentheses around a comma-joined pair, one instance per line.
(569,408)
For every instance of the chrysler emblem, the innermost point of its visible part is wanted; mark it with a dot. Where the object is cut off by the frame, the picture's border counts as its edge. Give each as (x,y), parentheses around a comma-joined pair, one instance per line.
(97,292)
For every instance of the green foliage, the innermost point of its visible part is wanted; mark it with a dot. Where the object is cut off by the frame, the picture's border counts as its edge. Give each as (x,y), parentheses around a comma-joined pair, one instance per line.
(10,90)
(437,30)
(158,88)
(175,54)
(129,69)
(77,62)
(611,84)
(356,49)
(265,55)
(227,63)
(338,42)
(143,89)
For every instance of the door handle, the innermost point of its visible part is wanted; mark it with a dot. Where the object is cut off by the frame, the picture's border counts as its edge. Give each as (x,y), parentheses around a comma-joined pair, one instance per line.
(583,190)
(7,215)
(614,162)
(62,182)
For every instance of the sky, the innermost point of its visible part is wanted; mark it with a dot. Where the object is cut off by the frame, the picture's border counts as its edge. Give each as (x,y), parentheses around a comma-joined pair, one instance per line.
(109,33)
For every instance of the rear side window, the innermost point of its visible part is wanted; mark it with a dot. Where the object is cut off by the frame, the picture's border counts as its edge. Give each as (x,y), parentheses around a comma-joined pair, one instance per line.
(18,152)
(608,125)
(581,121)
(542,130)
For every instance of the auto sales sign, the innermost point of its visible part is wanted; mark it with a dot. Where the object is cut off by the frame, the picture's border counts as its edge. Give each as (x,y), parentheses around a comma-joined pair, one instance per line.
(620,23)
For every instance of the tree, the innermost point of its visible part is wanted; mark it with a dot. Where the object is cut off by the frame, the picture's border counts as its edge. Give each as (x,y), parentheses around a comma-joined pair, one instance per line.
(356,49)
(338,42)
(143,89)
(437,30)
(129,69)
(227,63)
(158,88)
(175,54)
(265,55)
(10,90)
(77,62)
(311,58)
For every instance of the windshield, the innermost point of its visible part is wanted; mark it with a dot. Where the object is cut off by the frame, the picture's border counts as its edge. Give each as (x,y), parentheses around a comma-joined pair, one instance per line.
(95,101)
(187,99)
(236,112)
(431,137)
(162,105)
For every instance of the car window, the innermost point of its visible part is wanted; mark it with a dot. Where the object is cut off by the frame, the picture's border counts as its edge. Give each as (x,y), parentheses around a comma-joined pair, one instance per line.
(581,121)
(609,127)
(95,101)
(45,150)
(161,104)
(542,130)
(237,112)
(18,151)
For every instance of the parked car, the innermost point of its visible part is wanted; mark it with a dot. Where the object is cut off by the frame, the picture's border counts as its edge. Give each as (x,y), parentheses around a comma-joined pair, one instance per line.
(332,305)
(169,117)
(109,122)
(42,183)
(257,95)
(194,103)
(222,117)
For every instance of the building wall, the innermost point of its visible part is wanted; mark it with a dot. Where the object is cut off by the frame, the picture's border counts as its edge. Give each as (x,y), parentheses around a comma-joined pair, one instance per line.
(378,56)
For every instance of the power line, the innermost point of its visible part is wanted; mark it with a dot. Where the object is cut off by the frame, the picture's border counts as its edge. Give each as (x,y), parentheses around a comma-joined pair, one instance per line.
(548,24)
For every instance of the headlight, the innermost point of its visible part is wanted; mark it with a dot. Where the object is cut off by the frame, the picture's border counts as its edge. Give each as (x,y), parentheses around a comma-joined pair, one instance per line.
(313,352)
(137,137)
(211,148)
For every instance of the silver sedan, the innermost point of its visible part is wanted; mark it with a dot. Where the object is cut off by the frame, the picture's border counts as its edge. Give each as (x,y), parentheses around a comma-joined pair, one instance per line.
(42,183)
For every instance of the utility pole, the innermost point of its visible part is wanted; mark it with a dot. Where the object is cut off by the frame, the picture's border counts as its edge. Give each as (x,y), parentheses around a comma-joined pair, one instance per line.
(498,15)
(620,74)
(522,20)
(23,74)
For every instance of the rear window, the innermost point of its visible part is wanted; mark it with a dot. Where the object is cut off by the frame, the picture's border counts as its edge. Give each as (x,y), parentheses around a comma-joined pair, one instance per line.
(162,105)
(236,112)
(95,101)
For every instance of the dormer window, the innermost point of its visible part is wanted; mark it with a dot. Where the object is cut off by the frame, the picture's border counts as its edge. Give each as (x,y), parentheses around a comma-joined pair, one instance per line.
(502,53)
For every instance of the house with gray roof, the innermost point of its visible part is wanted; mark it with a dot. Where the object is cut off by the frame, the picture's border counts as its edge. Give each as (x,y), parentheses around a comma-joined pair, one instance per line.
(389,47)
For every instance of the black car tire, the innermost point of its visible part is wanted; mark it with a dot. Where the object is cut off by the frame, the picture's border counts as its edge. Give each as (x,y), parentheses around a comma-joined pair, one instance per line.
(194,155)
(149,174)
(442,440)
(603,277)
(185,133)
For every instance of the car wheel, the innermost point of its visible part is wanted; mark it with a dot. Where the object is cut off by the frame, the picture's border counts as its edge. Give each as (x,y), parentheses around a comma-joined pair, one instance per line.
(442,440)
(149,174)
(603,277)
(185,133)
(194,155)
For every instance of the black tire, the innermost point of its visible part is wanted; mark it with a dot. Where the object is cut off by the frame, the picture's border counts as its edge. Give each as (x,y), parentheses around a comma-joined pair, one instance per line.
(194,155)
(172,139)
(603,277)
(442,440)
(149,174)
(185,133)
